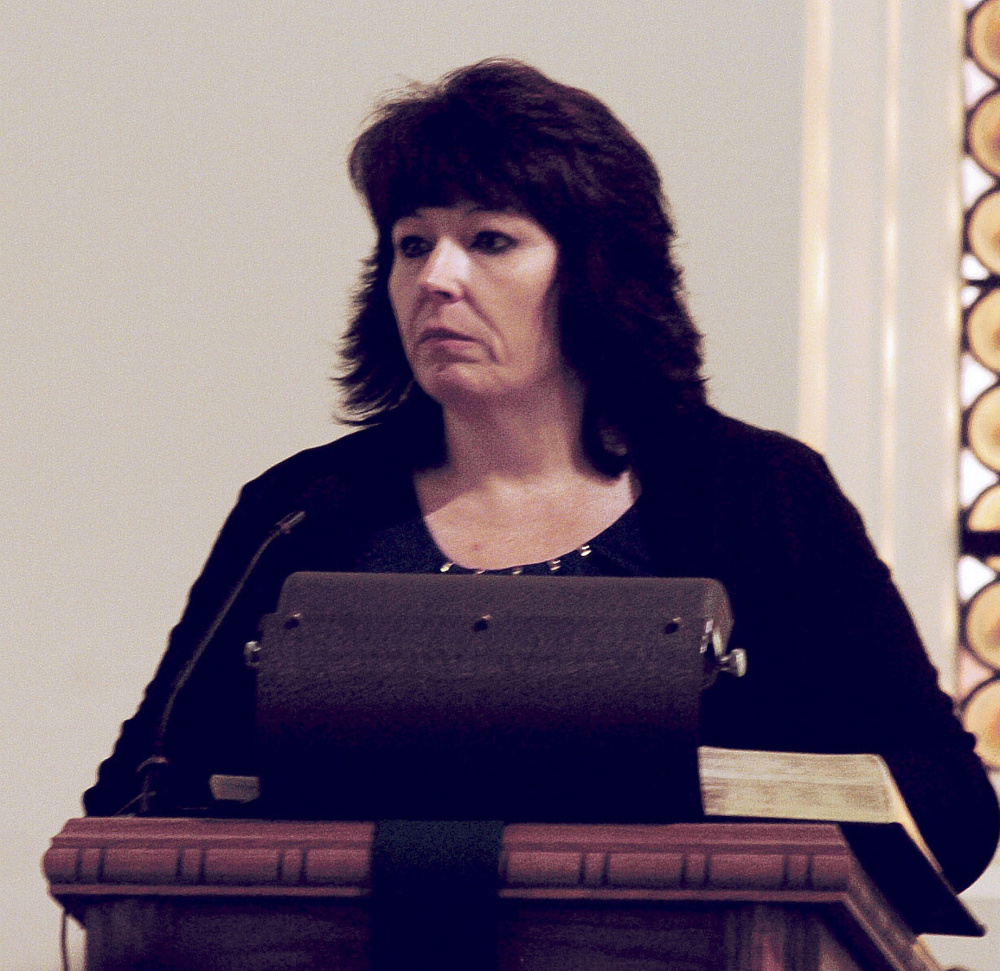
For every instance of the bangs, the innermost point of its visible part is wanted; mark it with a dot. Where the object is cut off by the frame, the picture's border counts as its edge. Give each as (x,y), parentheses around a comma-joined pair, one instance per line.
(443,157)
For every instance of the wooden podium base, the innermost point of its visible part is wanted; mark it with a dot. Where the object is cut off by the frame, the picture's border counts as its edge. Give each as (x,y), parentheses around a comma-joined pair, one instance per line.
(222,895)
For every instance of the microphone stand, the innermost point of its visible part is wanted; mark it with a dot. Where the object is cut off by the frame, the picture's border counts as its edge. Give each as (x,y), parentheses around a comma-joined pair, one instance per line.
(155,768)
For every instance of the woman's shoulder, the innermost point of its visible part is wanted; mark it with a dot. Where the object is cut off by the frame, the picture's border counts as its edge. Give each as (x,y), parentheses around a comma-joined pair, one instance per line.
(368,451)
(750,443)
(750,478)
(750,457)
(358,470)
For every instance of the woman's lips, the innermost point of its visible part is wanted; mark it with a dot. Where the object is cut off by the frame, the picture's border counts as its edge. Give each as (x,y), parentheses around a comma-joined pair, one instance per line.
(441,334)
(444,339)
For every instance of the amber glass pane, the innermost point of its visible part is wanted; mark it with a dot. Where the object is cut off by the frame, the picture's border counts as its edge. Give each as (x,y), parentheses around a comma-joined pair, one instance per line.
(984,330)
(982,625)
(984,134)
(982,718)
(984,231)
(985,515)
(984,37)
(984,429)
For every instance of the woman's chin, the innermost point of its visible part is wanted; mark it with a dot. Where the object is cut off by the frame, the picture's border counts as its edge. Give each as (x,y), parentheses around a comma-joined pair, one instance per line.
(477,389)
(461,396)
(457,384)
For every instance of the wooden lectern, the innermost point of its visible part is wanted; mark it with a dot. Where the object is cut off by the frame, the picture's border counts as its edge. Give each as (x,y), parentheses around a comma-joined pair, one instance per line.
(222,895)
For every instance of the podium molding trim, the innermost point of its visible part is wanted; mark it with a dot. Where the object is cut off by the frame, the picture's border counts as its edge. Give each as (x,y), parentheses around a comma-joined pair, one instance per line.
(754,866)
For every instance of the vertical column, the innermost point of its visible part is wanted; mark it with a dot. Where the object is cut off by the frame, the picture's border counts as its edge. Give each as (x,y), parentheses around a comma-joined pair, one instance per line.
(878,283)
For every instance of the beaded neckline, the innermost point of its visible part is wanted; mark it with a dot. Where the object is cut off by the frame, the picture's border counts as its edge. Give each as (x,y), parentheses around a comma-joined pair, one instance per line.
(554,565)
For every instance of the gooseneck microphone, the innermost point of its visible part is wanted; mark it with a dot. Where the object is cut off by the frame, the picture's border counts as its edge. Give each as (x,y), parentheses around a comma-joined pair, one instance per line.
(154,769)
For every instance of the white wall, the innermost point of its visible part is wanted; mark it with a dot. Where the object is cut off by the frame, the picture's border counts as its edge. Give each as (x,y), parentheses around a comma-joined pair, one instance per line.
(178,238)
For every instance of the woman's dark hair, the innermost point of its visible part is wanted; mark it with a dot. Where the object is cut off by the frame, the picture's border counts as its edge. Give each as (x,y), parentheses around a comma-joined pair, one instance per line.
(502,134)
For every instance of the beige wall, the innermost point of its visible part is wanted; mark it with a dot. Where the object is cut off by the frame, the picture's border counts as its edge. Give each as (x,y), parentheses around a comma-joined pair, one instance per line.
(178,240)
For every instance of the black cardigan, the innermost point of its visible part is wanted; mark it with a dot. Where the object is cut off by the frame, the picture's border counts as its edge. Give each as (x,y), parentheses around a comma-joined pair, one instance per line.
(835,662)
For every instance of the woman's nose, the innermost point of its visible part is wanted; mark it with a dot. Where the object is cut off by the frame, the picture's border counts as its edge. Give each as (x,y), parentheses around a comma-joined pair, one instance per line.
(445,269)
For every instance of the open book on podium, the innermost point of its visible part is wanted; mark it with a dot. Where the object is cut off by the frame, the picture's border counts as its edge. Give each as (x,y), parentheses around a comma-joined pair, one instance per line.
(536,699)
(856,791)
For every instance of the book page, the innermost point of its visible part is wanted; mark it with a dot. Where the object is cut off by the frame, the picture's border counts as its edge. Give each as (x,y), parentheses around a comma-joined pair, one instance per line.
(791,785)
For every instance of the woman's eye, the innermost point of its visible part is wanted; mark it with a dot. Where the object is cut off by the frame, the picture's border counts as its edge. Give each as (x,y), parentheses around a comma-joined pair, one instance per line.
(491,241)
(412,246)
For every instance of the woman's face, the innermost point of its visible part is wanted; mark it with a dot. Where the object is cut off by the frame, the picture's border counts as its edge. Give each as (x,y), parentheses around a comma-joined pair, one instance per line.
(475,296)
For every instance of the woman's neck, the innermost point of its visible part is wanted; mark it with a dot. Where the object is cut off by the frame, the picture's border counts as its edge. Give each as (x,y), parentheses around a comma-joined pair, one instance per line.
(517,488)
(500,444)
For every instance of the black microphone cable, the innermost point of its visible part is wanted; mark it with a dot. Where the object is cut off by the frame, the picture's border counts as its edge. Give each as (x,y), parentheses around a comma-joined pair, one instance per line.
(154,768)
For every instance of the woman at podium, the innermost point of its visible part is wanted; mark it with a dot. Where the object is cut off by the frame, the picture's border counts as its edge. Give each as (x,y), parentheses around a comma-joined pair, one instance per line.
(527,385)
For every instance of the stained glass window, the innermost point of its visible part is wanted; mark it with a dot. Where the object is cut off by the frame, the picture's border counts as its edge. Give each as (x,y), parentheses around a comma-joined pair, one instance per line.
(979,487)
